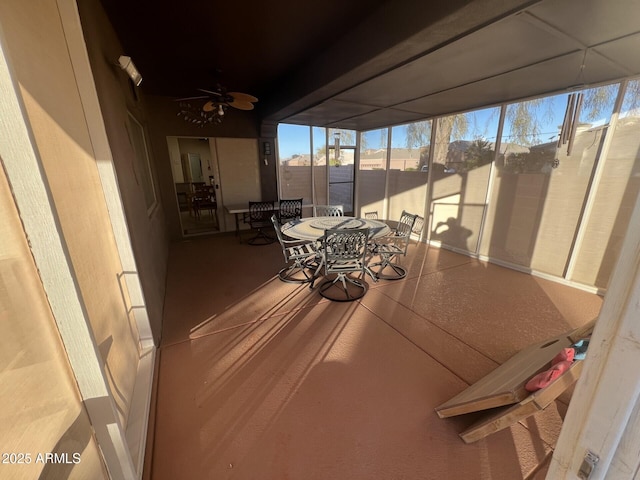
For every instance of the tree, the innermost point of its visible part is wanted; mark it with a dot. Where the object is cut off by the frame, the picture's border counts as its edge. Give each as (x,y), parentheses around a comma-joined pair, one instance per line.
(419,135)
(527,118)
(453,126)
(478,153)
(632,98)
(347,137)
(597,100)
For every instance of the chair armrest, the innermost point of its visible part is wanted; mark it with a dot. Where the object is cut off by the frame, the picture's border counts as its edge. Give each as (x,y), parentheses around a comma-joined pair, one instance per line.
(296,243)
(391,239)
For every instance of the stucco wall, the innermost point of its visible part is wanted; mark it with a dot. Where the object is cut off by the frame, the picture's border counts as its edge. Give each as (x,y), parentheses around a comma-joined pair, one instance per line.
(41,408)
(40,58)
(164,122)
(146,229)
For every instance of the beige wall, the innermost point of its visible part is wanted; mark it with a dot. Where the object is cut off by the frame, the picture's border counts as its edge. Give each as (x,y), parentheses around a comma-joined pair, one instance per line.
(612,207)
(238,162)
(164,122)
(458,207)
(147,230)
(533,217)
(513,216)
(371,189)
(407,191)
(57,119)
(150,234)
(41,408)
(565,197)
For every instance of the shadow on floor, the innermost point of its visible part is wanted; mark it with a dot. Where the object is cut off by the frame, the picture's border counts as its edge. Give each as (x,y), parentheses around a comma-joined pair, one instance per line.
(264,379)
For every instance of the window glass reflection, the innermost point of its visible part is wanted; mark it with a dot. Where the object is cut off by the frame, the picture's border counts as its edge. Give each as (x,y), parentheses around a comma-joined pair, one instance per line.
(372,173)
(547,159)
(341,168)
(615,196)
(409,160)
(462,157)
(320,165)
(294,168)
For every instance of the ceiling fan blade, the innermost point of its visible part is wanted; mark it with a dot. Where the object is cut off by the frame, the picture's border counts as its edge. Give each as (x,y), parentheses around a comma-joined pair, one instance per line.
(241,105)
(191,98)
(211,92)
(243,97)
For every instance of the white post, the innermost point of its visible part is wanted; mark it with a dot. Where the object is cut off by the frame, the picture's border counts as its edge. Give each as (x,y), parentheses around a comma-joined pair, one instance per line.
(603,413)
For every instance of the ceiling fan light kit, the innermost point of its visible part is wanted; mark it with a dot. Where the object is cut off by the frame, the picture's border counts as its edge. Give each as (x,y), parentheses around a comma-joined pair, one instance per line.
(216,103)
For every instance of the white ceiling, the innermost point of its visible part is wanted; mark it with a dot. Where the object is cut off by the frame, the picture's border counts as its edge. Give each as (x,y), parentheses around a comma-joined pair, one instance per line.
(550,46)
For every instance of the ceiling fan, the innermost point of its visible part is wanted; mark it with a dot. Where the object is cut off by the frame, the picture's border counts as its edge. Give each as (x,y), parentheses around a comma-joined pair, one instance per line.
(212,106)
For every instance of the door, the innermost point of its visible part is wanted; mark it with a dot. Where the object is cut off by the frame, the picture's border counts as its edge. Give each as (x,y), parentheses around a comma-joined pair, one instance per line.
(192,167)
(227,168)
(342,149)
(195,179)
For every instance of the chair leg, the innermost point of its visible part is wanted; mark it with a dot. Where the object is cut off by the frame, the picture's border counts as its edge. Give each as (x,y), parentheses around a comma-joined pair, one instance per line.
(345,295)
(319,263)
(298,272)
(397,271)
(215,215)
(261,238)
(369,272)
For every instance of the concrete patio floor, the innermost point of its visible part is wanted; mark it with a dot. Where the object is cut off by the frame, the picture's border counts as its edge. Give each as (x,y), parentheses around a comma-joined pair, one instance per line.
(260,379)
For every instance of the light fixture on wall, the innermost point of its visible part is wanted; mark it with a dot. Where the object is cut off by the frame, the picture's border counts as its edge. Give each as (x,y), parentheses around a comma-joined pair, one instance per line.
(266,150)
(127,65)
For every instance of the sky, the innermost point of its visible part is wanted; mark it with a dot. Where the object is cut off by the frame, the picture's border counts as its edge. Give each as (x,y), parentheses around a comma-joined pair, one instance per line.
(292,139)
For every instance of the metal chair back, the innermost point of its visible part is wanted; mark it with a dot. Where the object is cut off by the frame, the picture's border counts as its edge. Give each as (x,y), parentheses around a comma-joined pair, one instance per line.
(259,218)
(259,213)
(418,225)
(403,230)
(389,248)
(298,254)
(345,250)
(276,227)
(290,210)
(328,211)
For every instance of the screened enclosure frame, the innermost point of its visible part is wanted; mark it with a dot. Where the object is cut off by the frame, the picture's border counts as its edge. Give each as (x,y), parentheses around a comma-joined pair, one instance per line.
(588,170)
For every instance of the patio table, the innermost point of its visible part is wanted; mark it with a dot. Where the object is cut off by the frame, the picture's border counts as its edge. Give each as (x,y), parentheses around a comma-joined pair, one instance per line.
(313,228)
(240,211)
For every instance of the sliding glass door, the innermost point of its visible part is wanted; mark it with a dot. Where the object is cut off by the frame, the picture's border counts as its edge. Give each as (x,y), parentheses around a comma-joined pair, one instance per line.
(342,152)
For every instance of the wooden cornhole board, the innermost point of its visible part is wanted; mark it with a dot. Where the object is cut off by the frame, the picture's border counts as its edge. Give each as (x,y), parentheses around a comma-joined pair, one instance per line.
(505,386)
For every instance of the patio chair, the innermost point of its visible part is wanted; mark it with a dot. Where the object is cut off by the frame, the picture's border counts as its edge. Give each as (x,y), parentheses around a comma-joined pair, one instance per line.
(259,221)
(290,210)
(204,198)
(328,211)
(344,251)
(418,225)
(300,254)
(392,246)
(183,192)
